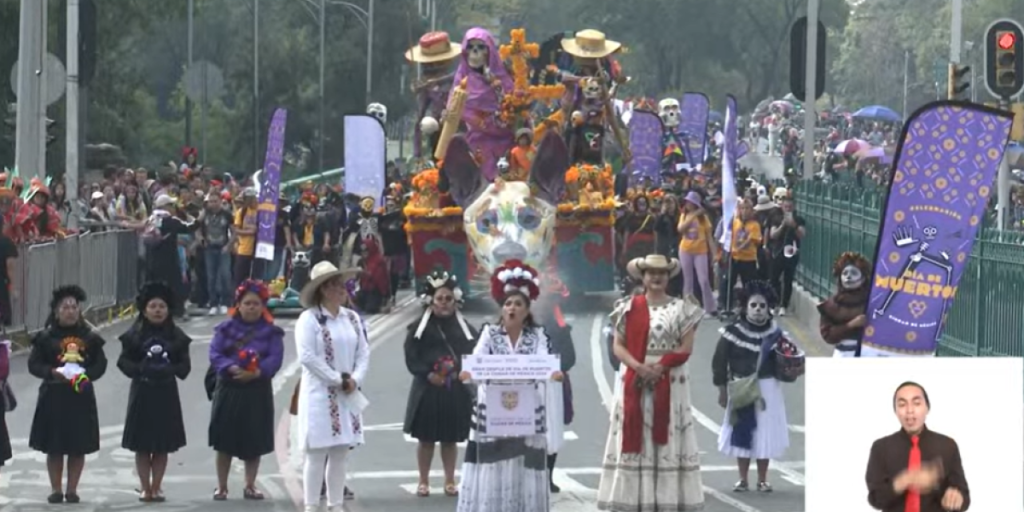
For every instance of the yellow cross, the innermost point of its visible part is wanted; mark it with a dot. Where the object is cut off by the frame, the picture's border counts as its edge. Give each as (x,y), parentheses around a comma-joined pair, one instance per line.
(518,52)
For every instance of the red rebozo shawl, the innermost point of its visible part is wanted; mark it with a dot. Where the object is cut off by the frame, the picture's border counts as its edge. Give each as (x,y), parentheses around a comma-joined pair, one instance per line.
(638,326)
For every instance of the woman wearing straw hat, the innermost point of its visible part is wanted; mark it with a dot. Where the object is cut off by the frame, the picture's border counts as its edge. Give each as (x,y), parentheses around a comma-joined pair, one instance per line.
(435,53)
(651,460)
(335,355)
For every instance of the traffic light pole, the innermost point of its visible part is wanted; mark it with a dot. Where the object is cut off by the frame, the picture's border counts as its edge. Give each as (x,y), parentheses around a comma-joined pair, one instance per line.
(810,114)
(1003,181)
(30,89)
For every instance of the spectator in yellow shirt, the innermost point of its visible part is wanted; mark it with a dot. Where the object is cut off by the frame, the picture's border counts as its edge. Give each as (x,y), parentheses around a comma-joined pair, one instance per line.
(245,237)
(696,245)
(746,238)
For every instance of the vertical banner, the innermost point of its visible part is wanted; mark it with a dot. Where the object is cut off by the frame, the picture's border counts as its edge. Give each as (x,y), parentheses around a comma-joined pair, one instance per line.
(270,178)
(695,109)
(945,165)
(729,198)
(645,129)
(366,148)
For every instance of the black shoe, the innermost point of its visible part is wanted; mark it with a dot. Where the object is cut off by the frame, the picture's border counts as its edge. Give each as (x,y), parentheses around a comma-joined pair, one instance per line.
(555,489)
(55,498)
(72,498)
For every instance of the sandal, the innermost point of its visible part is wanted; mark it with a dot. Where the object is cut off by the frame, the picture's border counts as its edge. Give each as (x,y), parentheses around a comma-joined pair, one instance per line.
(250,493)
(158,497)
(423,490)
(741,486)
(220,494)
(450,489)
(764,487)
(144,496)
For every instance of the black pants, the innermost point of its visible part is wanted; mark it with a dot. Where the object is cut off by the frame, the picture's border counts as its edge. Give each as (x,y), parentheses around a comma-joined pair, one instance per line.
(746,271)
(783,273)
(243,268)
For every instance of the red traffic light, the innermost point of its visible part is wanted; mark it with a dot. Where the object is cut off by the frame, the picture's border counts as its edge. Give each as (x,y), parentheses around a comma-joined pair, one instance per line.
(1006,40)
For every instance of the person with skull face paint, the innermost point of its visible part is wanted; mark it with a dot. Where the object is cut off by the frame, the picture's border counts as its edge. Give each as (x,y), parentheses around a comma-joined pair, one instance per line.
(650,451)
(843,314)
(749,348)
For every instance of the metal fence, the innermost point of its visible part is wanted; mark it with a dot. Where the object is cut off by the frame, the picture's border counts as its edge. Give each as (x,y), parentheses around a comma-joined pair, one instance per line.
(104,264)
(987,318)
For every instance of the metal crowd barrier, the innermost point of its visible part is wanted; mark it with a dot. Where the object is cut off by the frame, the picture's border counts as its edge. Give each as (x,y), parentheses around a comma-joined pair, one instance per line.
(104,264)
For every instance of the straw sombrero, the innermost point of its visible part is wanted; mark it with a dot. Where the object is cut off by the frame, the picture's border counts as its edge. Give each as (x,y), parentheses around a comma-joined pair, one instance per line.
(320,274)
(590,44)
(638,266)
(434,47)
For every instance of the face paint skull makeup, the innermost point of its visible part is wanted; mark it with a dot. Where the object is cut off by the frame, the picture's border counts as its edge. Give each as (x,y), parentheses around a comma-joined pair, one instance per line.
(757,310)
(851,278)
(477,54)
(668,110)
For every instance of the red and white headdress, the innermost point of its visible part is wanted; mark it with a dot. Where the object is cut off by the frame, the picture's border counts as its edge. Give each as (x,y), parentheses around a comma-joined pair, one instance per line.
(515,276)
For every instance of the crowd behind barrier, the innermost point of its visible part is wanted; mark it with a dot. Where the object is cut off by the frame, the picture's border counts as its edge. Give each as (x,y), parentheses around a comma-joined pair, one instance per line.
(987,317)
(105,264)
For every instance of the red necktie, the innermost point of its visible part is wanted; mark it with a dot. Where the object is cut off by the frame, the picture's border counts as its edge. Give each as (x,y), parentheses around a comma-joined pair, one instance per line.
(913,497)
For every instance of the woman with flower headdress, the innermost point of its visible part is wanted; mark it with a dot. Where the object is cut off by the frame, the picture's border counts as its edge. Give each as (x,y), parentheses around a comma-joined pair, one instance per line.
(751,362)
(842,315)
(651,460)
(509,474)
(66,421)
(154,352)
(440,405)
(245,354)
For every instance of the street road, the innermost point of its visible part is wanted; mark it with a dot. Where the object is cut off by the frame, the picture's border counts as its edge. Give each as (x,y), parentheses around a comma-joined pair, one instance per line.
(770,166)
(383,472)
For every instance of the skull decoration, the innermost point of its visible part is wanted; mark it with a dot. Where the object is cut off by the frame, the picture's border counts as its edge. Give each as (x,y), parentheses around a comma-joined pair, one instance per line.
(668,110)
(477,54)
(930,232)
(379,111)
(591,88)
(851,277)
(757,310)
(503,166)
(507,222)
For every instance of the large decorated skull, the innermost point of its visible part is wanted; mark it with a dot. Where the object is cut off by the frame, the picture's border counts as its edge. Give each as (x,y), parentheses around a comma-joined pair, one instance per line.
(478,54)
(509,220)
(379,111)
(668,110)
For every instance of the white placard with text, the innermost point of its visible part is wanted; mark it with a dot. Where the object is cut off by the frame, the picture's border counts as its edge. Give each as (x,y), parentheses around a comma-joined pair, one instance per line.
(511,367)
(511,410)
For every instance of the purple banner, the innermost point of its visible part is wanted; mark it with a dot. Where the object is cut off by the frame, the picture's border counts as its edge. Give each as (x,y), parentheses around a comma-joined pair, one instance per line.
(270,187)
(366,150)
(946,162)
(695,109)
(645,143)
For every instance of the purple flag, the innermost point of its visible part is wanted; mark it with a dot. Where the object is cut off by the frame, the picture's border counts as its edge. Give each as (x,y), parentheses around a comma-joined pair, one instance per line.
(270,188)
(695,109)
(645,143)
(366,148)
(729,197)
(946,162)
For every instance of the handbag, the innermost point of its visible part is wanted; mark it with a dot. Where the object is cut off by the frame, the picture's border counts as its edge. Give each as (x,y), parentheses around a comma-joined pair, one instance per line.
(210,380)
(746,391)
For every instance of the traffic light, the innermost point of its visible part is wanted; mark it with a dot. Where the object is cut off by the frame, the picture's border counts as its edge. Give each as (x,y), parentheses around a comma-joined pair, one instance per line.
(957,84)
(50,137)
(798,60)
(1004,58)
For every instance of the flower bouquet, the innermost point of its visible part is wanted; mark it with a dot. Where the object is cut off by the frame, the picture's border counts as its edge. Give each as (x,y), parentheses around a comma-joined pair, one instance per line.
(445,368)
(249,360)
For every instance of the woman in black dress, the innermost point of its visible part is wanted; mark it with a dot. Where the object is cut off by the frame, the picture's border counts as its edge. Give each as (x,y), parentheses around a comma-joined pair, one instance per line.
(439,404)
(153,353)
(245,354)
(66,422)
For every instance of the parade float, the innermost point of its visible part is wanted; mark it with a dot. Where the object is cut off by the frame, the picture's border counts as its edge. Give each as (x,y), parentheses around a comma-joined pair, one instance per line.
(511,187)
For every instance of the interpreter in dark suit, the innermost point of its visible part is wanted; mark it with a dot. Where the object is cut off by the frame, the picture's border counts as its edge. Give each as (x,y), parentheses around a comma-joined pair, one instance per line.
(916,469)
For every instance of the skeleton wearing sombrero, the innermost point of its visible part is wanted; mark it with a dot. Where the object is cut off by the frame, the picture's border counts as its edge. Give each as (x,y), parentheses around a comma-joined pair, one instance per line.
(434,53)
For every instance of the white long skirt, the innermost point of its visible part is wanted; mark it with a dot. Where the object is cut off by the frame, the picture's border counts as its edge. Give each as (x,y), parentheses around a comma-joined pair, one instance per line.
(662,478)
(771,437)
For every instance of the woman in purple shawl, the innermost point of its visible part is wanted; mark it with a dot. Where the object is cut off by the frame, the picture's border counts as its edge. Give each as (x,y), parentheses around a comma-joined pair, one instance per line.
(487,81)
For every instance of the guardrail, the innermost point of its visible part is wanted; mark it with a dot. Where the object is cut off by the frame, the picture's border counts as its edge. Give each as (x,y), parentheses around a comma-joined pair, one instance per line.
(104,264)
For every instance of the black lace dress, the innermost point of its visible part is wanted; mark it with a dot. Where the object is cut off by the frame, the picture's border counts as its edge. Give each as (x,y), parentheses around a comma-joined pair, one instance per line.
(154,423)
(66,421)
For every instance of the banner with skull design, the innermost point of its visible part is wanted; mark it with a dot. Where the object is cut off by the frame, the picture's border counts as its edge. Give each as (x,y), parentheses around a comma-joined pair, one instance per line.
(941,183)
(366,149)
(645,129)
(693,125)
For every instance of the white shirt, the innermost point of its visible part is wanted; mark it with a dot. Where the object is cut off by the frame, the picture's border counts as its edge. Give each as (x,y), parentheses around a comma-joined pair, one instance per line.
(324,420)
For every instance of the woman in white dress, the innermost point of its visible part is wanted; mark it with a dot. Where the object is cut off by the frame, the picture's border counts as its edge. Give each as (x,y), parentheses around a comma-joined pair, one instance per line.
(651,461)
(335,355)
(509,474)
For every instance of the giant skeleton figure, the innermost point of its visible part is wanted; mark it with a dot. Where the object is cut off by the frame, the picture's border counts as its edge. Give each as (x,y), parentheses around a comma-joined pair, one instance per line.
(435,54)
(842,316)
(673,159)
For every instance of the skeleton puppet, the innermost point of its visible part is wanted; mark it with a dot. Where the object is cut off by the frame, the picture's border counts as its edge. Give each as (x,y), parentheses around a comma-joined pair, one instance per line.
(487,82)
(379,111)
(594,71)
(842,315)
(672,157)
(435,54)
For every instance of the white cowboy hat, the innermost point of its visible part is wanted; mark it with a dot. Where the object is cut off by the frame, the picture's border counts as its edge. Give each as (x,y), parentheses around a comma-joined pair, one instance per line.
(638,266)
(434,47)
(590,44)
(320,274)
(764,203)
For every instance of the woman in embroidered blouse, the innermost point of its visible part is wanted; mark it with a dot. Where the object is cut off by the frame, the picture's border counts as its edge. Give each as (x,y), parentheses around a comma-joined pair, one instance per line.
(651,460)
(509,474)
(335,355)
(154,352)
(66,422)
(439,404)
(246,352)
